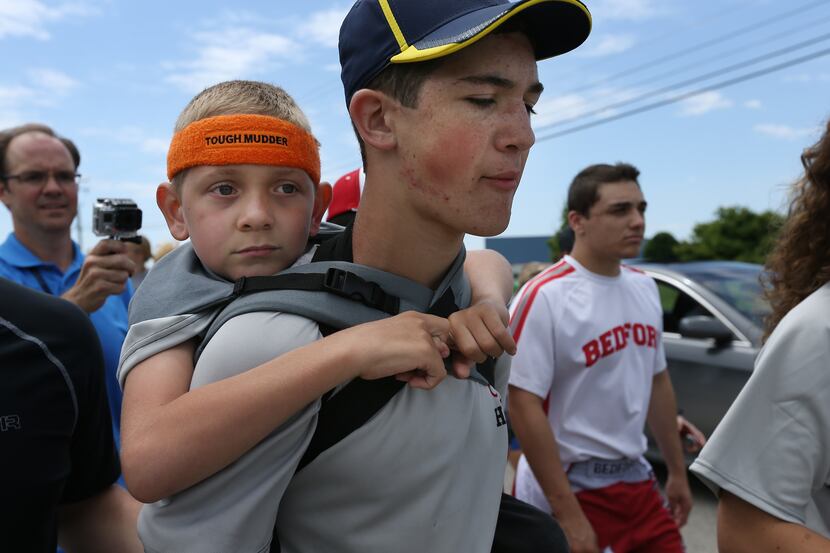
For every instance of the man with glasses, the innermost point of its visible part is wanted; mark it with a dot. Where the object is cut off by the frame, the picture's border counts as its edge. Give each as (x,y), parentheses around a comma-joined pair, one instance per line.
(39,186)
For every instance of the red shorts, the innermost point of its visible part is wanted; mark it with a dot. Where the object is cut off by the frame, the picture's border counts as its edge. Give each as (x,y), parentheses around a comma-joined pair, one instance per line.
(631,518)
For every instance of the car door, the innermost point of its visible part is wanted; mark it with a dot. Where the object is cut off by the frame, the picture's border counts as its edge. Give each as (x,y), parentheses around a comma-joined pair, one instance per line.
(706,375)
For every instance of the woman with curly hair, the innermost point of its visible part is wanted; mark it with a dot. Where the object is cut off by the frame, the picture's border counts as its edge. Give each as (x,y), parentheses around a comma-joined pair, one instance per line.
(769,459)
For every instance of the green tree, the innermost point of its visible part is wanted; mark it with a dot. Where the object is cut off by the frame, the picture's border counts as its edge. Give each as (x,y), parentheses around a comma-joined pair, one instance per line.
(737,233)
(661,248)
(553,242)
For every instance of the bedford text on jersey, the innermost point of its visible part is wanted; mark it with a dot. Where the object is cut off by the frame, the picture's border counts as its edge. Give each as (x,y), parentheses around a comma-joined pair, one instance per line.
(617,339)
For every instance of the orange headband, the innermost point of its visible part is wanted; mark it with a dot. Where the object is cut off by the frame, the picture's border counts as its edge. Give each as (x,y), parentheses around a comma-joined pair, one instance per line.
(243,139)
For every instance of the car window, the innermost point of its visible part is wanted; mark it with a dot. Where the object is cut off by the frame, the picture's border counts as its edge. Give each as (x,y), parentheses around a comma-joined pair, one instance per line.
(676,305)
(739,286)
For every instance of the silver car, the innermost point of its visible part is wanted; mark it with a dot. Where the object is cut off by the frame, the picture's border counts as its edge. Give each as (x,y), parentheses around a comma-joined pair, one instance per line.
(713,315)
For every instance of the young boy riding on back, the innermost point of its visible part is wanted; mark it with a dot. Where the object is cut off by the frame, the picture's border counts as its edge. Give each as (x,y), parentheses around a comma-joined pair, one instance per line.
(214,442)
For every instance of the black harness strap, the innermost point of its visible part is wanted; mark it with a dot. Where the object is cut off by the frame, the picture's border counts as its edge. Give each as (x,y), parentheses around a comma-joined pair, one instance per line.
(352,407)
(335,281)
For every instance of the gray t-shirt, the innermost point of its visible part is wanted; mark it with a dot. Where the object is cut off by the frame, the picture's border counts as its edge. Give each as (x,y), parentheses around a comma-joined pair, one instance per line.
(424,474)
(772,449)
(235,509)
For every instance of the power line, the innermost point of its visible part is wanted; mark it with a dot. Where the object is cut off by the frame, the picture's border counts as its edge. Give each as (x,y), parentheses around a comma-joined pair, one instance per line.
(694,80)
(721,13)
(681,97)
(721,55)
(702,46)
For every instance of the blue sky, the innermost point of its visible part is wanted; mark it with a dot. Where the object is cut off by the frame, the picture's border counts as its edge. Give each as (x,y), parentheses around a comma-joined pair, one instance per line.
(113,76)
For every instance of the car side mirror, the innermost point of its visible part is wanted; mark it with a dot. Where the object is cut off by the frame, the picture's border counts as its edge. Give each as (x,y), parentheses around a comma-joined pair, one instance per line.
(704,327)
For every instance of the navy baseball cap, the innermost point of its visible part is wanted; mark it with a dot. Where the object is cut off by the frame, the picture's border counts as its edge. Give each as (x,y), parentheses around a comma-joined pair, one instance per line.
(377,33)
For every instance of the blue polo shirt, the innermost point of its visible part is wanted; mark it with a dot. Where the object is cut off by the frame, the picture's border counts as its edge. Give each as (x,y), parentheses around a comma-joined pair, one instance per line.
(20,265)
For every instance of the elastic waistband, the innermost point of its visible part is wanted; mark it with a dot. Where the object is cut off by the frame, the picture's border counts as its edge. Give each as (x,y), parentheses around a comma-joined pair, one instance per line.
(598,473)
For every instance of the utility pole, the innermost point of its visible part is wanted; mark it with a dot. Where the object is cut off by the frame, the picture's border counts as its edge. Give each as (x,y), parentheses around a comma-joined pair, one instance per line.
(79,228)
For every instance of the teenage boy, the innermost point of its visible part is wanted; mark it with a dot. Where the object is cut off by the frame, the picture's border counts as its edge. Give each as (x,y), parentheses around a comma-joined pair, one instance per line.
(244,174)
(589,373)
(441,104)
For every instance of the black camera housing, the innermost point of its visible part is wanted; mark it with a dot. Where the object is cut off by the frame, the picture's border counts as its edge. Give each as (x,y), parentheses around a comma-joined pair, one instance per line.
(117,218)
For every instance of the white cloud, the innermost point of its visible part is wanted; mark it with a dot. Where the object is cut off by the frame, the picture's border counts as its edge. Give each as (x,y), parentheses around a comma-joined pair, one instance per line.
(753,104)
(324,26)
(559,108)
(628,10)
(607,45)
(131,135)
(784,132)
(29,18)
(231,53)
(10,95)
(56,82)
(704,103)
(578,108)
(41,87)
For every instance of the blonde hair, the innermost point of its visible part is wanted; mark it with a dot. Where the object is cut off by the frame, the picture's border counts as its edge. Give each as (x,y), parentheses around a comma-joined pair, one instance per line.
(242,97)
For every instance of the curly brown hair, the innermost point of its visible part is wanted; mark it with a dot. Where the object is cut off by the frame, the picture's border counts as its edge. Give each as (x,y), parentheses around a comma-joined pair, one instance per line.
(800,261)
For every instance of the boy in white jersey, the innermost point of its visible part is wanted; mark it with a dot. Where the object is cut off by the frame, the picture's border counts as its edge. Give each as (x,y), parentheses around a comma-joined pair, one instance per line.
(590,373)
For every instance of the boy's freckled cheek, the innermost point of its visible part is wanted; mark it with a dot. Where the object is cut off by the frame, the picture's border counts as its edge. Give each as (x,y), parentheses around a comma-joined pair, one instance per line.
(452,154)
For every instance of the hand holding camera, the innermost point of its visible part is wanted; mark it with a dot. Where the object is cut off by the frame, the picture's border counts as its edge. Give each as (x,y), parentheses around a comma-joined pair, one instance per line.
(106,268)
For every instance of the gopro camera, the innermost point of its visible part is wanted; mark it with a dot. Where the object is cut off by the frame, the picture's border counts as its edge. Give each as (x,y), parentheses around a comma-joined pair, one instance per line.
(117,218)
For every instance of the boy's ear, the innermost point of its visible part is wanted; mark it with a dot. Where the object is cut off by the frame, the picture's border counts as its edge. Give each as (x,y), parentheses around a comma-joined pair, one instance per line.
(322,199)
(369,110)
(171,207)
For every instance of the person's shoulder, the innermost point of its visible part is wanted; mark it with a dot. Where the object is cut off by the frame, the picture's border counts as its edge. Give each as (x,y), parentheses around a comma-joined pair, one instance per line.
(546,288)
(808,318)
(560,274)
(815,307)
(635,274)
(37,312)
(9,270)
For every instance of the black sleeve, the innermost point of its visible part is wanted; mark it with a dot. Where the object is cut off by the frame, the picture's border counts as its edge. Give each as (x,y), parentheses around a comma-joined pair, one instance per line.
(94,458)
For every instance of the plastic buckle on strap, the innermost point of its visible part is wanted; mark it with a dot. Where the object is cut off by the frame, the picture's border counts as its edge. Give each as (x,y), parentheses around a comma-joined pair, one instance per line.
(349,285)
(239,286)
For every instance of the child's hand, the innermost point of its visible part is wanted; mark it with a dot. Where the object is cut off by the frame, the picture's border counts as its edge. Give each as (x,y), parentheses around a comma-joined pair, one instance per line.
(478,332)
(410,346)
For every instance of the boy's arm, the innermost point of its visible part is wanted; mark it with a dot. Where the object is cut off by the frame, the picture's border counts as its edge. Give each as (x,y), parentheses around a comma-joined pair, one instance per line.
(481,330)
(490,275)
(173,437)
(542,452)
(662,420)
(743,528)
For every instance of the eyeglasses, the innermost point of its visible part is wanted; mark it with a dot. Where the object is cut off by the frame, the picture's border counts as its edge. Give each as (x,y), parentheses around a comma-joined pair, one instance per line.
(40,178)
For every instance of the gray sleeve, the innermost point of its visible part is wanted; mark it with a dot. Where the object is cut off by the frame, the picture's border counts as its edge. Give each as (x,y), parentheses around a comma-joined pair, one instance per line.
(236,509)
(772,448)
(147,338)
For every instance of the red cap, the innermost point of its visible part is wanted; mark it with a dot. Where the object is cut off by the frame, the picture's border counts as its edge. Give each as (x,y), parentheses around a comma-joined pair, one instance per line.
(346,194)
